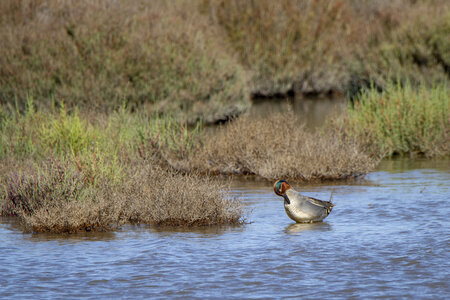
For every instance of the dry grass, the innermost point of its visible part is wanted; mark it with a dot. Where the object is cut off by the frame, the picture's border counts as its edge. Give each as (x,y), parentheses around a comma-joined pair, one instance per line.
(319,46)
(161,197)
(155,55)
(55,197)
(280,147)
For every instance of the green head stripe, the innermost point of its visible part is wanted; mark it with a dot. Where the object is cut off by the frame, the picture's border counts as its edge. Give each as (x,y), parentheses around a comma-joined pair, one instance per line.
(278,186)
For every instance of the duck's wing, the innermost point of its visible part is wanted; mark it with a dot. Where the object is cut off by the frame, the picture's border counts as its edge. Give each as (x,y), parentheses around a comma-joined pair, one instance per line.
(310,203)
(319,204)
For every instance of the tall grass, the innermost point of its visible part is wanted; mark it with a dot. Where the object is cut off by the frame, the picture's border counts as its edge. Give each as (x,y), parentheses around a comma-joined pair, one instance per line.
(403,120)
(176,137)
(18,135)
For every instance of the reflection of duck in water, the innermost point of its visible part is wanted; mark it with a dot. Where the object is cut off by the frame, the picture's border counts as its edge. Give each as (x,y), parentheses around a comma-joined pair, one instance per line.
(302,209)
(303,227)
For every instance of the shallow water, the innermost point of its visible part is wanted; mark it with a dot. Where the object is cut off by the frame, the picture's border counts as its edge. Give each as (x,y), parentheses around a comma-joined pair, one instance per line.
(387,237)
(313,112)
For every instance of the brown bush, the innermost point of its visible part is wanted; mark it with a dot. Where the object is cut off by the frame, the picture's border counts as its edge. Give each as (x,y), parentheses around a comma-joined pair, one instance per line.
(57,198)
(162,197)
(280,147)
(317,46)
(163,55)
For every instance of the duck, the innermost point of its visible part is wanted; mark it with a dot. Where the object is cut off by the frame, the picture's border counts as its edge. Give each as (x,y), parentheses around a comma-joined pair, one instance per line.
(300,208)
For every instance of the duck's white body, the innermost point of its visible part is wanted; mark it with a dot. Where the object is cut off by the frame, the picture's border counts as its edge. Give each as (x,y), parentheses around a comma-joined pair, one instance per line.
(303,209)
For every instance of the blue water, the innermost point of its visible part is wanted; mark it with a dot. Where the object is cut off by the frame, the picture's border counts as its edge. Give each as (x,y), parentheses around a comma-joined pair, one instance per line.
(387,237)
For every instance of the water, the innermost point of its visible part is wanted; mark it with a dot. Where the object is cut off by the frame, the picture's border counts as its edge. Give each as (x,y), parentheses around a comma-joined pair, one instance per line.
(312,112)
(387,237)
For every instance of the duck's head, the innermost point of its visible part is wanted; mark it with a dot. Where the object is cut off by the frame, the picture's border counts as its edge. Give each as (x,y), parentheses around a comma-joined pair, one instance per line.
(280,187)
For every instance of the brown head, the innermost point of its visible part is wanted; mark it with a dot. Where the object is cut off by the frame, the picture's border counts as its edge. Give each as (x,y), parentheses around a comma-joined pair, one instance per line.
(280,187)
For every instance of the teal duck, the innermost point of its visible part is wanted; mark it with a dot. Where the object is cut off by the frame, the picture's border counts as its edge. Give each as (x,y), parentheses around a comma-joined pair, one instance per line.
(302,209)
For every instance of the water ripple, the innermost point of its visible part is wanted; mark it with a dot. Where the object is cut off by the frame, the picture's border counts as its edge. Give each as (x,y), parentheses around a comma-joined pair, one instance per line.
(387,239)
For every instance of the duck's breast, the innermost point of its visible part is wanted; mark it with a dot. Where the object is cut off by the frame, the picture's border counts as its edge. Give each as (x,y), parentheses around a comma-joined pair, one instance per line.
(297,214)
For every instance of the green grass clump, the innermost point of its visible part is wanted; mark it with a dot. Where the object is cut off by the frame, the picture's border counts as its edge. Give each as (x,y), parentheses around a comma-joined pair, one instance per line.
(36,134)
(19,132)
(67,133)
(402,120)
(175,137)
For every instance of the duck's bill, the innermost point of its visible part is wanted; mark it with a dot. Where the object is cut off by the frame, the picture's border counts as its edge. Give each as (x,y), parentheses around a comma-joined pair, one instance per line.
(286,199)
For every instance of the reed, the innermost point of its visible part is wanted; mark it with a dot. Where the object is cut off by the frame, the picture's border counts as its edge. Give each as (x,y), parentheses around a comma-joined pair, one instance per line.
(402,120)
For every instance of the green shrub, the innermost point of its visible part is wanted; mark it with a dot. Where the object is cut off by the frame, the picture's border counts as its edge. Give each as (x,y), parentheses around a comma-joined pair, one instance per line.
(402,120)
(19,134)
(67,134)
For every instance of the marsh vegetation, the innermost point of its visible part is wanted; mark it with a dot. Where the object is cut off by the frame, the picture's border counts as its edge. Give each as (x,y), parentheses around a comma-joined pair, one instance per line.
(402,120)
(104,104)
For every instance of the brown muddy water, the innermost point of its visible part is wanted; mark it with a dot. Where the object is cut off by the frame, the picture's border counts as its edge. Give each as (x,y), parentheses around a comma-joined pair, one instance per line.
(387,237)
(312,112)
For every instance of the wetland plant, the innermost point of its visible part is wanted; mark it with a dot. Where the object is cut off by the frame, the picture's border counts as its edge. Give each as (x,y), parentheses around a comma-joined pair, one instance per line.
(55,197)
(402,120)
(168,198)
(156,55)
(279,146)
(322,46)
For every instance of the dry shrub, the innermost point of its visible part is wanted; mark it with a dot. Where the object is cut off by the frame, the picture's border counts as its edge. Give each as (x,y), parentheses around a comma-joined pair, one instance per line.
(55,197)
(317,46)
(99,213)
(161,197)
(160,54)
(280,147)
